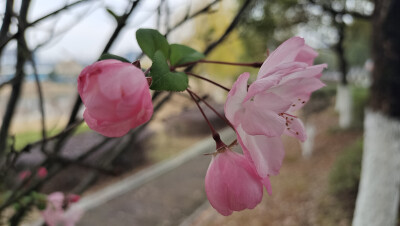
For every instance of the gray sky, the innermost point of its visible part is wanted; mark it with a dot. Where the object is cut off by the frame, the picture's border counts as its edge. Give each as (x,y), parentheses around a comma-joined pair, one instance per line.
(88,27)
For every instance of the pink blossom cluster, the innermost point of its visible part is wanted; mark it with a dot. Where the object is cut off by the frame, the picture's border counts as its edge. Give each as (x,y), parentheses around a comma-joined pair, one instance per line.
(41,173)
(56,212)
(117,98)
(260,114)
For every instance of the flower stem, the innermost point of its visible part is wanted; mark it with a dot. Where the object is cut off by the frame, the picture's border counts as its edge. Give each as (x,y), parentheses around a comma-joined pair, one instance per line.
(253,64)
(208,80)
(214,133)
(213,109)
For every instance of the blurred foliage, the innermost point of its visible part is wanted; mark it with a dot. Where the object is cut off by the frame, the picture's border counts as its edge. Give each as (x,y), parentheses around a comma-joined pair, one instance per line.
(357,42)
(269,23)
(345,175)
(360,98)
(230,50)
(24,138)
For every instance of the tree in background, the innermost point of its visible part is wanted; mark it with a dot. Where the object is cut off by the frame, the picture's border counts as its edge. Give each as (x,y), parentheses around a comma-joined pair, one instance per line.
(379,190)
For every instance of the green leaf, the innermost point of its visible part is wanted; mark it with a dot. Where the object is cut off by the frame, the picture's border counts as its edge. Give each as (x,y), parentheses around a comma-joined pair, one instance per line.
(108,56)
(181,54)
(163,78)
(150,41)
(115,16)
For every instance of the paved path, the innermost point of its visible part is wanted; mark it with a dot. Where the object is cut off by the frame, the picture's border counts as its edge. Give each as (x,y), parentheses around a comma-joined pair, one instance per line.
(164,194)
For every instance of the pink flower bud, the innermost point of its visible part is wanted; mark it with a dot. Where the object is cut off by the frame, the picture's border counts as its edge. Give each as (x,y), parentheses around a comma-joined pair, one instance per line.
(72,198)
(116,96)
(42,172)
(232,184)
(24,174)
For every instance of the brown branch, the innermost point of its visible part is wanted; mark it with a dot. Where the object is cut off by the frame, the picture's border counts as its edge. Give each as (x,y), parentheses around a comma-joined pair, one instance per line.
(57,12)
(6,20)
(41,102)
(189,17)
(229,29)
(18,78)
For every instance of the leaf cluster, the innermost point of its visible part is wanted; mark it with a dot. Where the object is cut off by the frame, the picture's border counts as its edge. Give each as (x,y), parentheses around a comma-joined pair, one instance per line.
(165,58)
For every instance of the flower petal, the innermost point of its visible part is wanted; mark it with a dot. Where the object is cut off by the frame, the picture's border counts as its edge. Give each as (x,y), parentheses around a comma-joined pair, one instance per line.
(265,153)
(296,129)
(309,72)
(272,102)
(107,128)
(231,184)
(306,55)
(262,121)
(297,91)
(236,96)
(267,184)
(286,52)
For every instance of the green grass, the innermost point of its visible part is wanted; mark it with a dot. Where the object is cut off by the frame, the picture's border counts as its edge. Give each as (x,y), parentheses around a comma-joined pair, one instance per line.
(345,175)
(360,98)
(24,138)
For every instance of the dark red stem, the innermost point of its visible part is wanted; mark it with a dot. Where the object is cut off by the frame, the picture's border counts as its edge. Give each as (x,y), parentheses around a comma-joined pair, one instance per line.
(253,64)
(213,109)
(208,80)
(214,133)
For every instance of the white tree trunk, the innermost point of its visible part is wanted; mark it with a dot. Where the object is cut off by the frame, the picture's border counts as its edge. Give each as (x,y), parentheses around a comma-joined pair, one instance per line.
(344,105)
(378,193)
(308,145)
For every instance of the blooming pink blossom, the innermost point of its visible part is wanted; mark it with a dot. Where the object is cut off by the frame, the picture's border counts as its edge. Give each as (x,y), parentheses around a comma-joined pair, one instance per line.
(116,96)
(55,215)
(232,184)
(42,172)
(262,112)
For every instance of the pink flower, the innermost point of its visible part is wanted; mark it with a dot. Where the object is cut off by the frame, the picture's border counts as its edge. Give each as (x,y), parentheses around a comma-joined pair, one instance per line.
(55,215)
(263,113)
(116,96)
(232,184)
(42,172)
(24,174)
(72,198)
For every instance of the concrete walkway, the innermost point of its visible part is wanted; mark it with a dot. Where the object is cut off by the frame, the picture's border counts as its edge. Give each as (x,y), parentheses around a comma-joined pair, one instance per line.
(164,194)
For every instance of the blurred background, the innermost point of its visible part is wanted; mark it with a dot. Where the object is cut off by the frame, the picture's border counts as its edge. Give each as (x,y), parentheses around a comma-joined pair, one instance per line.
(44,45)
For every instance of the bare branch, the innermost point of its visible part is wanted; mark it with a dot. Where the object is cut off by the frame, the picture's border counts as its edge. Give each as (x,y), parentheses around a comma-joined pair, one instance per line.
(41,102)
(229,29)
(6,20)
(57,11)
(187,17)
(18,78)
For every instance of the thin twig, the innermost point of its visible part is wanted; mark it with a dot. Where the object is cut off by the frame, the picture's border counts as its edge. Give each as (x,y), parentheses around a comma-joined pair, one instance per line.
(41,103)
(230,28)
(187,18)
(208,80)
(211,107)
(253,64)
